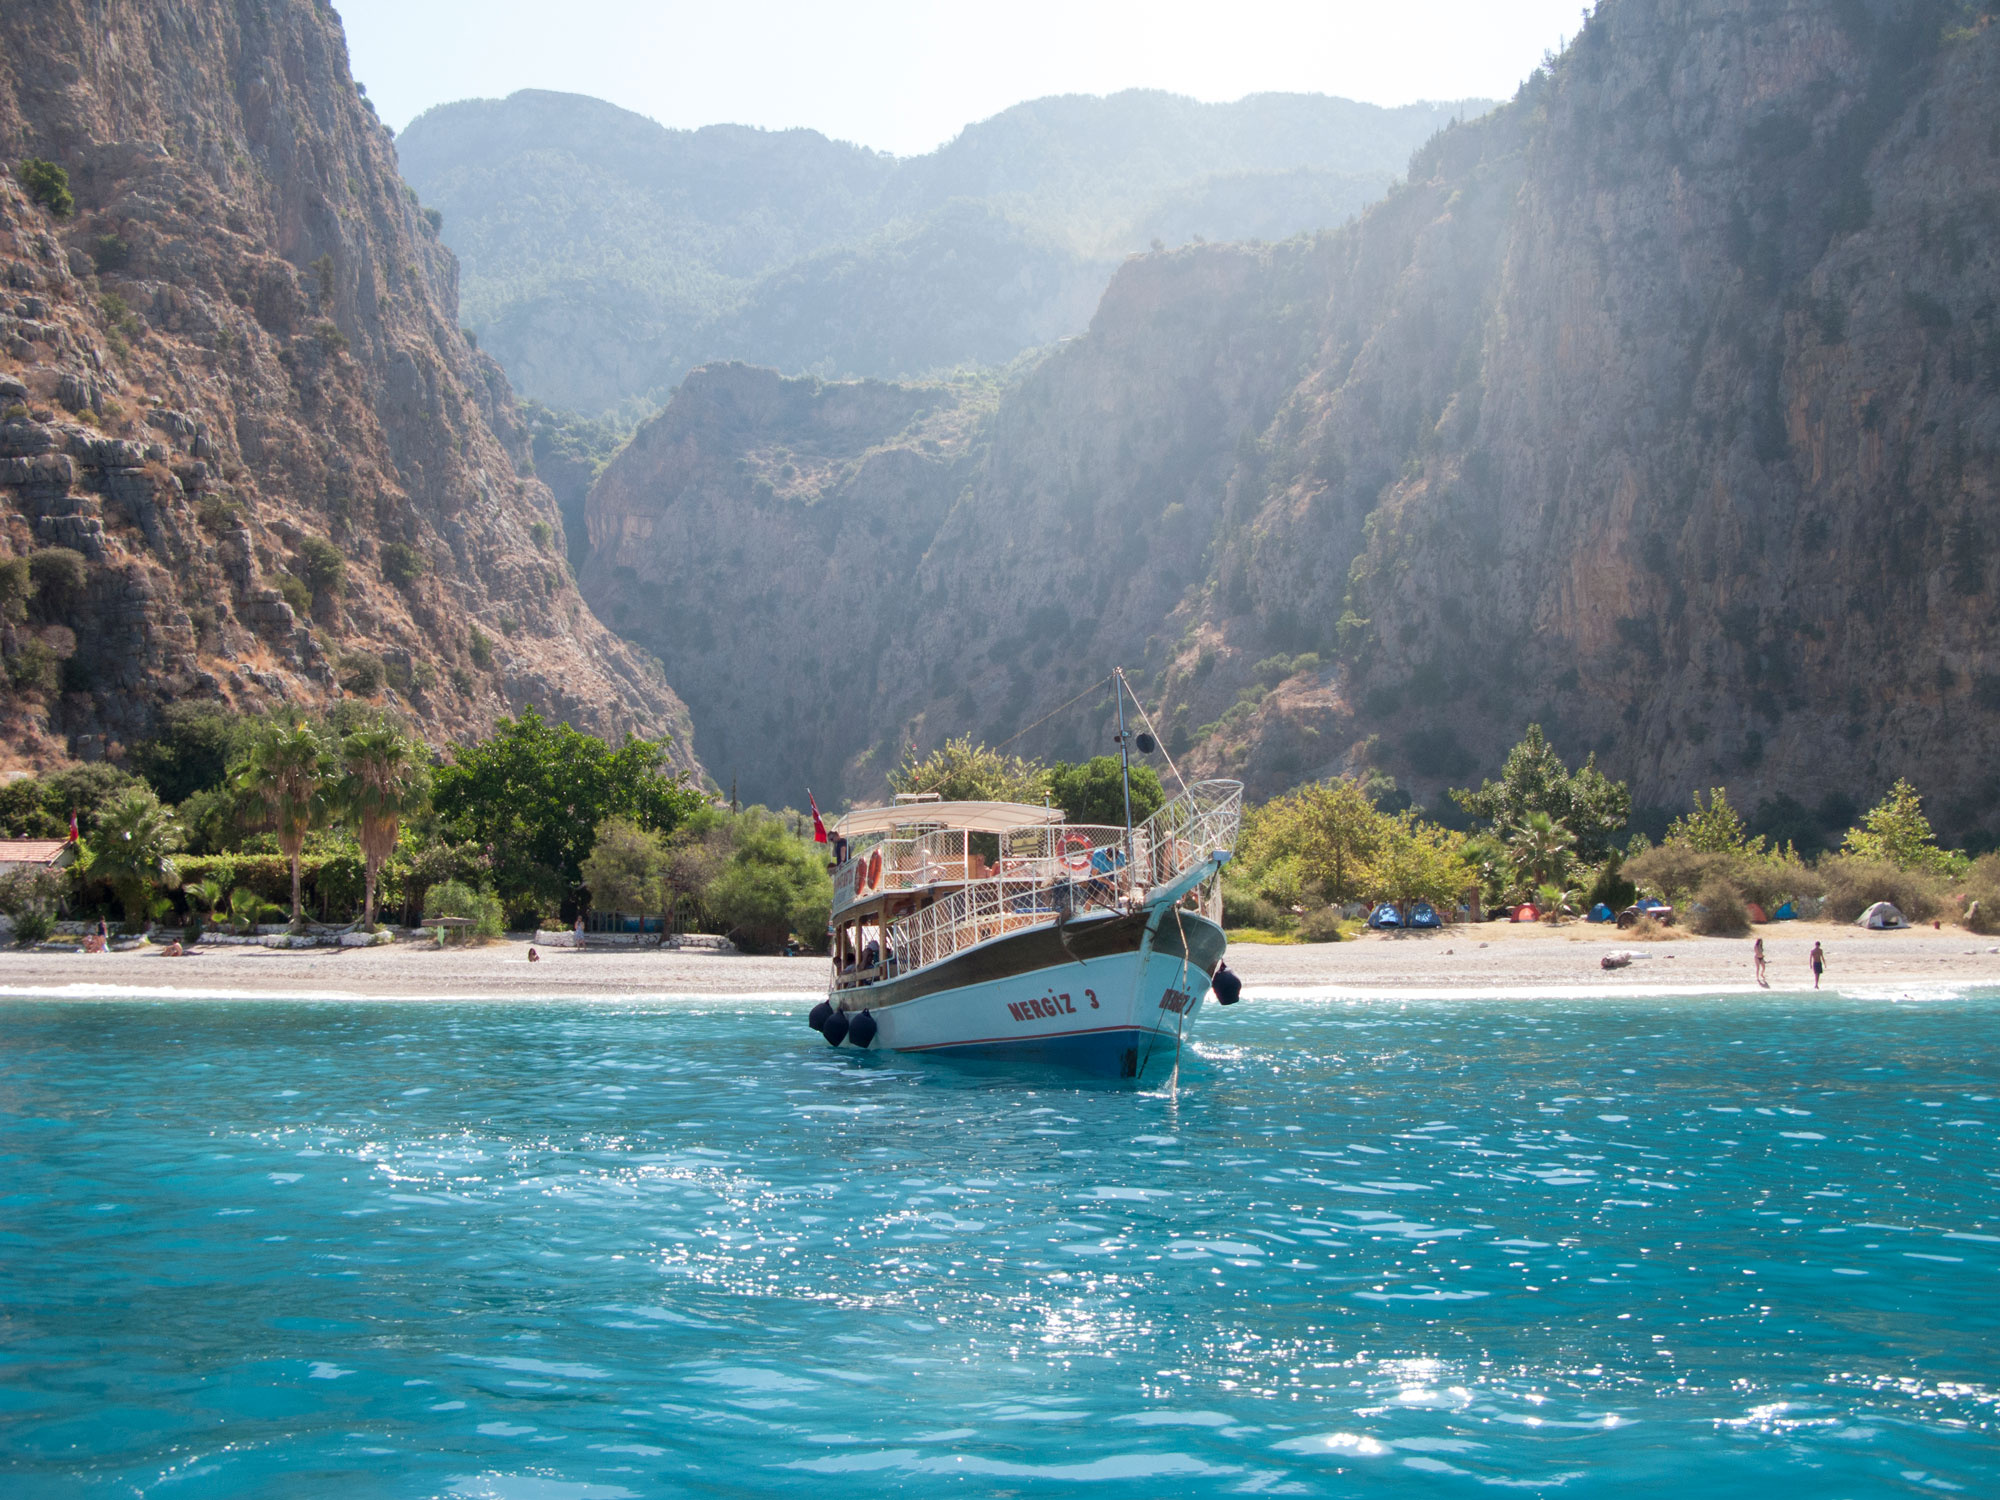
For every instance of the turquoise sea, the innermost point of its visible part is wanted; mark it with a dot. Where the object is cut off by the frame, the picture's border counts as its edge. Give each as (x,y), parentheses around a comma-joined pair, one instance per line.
(1609,1247)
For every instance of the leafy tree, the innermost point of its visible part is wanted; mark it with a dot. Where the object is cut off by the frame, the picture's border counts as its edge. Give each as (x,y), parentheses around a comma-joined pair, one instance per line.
(60,575)
(960,771)
(1419,861)
(320,566)
(191,749)
(288,770)
(1535,780)
(28,897)
(626,870)
(774,885)
(1331,829)
(48,185)
(454,898)
(132,851)
(384,779)
(1542,850)
(535,794)
(1093,792)
(1714,829)
(38,807)
(402,564)
(1897,831)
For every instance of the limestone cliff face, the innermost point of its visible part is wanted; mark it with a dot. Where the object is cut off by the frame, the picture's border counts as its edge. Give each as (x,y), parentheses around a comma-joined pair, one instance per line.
(1662,405)
(236,360)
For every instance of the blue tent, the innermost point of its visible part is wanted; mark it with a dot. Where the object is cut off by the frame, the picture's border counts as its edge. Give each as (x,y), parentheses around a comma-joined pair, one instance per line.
(1650,903)
(1423,914)
(1785,914)
(1600,913)
(1384,916)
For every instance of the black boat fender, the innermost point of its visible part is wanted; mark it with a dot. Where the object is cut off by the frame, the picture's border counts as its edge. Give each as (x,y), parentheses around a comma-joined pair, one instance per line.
(861,1030)
(835,1030)
(1228,988)
(816,1017)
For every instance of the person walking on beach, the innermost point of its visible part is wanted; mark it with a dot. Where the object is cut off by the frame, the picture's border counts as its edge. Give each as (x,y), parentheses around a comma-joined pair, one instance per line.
(1818,961)
(1757,954)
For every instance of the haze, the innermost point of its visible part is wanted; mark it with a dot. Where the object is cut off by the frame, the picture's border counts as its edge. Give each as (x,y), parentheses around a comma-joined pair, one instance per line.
(904,77)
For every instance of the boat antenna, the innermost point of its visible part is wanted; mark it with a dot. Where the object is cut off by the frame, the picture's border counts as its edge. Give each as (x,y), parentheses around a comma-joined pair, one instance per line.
(1125,770)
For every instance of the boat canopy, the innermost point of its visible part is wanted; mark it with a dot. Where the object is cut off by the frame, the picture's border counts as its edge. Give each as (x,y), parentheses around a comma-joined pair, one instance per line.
(972,817)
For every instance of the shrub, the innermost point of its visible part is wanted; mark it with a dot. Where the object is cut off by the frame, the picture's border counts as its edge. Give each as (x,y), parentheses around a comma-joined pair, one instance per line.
(361,672)
(482,650)
(29,897)
(402,564)
(454,898)
(320,565)
(110,252)
(1321,925)
(1240,909)
(59,575)
(295,594)
(34,669)
(1854,883)
(48,185)
(541,534)
(1981,912)
(1719,910)
(1646,930)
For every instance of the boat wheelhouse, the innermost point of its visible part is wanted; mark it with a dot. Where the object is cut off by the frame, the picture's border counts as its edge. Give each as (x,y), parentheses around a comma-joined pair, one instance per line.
(1000,930)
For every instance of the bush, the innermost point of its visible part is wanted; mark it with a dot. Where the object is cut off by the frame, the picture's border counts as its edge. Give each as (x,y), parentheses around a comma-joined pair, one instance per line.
(29,897)
(1981,912)
(1719,910)
(1320,925)
(1242,909)
(482,650)
(402,564)
(59,575)
(1855,883)
(361,673)
(454,898)
(319,563)
(295,594)
(48,185)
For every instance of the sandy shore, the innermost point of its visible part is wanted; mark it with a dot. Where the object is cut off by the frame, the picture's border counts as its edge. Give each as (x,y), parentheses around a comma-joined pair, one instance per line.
(1493,958)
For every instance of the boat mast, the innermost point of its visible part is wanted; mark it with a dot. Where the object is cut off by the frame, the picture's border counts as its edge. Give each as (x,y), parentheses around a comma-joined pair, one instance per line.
(1125,770)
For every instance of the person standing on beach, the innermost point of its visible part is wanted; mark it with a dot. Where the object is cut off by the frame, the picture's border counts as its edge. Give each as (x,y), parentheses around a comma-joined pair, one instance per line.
(1757,954)
(1818,961)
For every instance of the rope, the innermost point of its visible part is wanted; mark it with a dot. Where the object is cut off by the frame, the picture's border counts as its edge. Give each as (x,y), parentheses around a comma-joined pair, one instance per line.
(1161,740)
(1053,712)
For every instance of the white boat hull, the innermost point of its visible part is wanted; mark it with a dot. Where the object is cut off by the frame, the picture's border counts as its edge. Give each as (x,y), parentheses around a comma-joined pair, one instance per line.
(1102,998)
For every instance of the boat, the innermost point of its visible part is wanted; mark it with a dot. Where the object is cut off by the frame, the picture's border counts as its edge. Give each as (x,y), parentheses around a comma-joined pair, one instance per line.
(1000,931)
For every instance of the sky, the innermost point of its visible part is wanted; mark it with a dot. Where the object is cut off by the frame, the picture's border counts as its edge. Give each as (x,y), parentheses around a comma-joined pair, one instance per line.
(905,77)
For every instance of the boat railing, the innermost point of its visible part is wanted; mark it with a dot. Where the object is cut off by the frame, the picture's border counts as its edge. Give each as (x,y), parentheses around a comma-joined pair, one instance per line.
(1068,869)
(1188,832)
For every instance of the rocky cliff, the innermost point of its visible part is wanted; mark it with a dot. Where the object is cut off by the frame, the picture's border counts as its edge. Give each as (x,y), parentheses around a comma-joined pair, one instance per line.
(1663,405)
(244,446)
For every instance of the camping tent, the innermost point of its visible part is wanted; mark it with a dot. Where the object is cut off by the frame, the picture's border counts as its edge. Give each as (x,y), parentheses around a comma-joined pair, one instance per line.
(1785,914)
(1881,915)
(1423,914)
(1526,913)
(1756,913)
(1599,913)
(1384,916)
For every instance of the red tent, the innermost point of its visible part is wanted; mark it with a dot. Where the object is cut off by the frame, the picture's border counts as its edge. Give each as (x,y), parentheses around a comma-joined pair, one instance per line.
(1526,913)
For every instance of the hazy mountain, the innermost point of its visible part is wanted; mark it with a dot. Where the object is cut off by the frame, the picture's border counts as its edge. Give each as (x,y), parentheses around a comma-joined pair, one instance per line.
(604,255)
(1661,405)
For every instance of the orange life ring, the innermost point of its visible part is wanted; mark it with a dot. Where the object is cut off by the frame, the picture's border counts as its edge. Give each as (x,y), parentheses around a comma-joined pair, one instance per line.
(1079,860)
(874,869)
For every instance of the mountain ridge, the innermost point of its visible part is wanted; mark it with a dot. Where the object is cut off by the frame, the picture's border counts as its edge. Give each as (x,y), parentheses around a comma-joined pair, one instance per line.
(1661,405)
(660,245)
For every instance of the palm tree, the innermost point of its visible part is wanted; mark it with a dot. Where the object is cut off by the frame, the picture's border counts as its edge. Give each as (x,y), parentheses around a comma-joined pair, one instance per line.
(132,850)
(383,780)
(287,771)
(1540,849)
(206,897)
